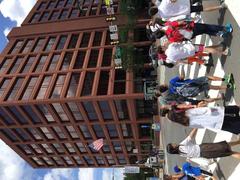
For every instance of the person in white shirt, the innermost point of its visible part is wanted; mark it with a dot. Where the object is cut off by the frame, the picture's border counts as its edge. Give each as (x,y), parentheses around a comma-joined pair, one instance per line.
(220,118)
(178,52)
(179,9)
(189,149)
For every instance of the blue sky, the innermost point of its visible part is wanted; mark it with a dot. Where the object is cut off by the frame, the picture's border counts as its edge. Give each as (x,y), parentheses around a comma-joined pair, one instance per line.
(12,167)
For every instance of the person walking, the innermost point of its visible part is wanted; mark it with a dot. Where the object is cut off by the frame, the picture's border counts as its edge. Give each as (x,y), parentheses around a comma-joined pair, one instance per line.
(189,149)
(180,9)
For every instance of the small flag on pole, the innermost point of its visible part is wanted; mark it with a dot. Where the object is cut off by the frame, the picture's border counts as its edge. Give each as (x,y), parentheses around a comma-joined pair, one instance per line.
(96,145)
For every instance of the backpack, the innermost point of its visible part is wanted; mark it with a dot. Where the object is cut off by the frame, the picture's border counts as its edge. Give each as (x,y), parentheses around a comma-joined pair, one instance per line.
(152,36)
(188,90)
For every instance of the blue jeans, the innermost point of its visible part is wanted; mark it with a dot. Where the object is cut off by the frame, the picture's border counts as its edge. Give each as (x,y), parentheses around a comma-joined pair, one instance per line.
(212,30)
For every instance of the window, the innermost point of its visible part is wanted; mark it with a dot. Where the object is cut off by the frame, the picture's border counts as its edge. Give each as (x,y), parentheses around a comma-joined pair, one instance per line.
(9,135)
(88,160)
(107,57)
(28,64)
(42,6)
(20,118)
(110,159)
(126,130)
(106,148)
(144,130)
(44,16)
(105,109)
(74,13)
(39,45)
(37,160)
(43,88)
(17,46)
(50,43)
(75,111)
(4,65)
(46,113)
(22,134)
(47,160)
(117,146)
(93,10)
(80,59)
(103,10)
(34,133)
(85,40)
(78,160)
(51,5)
(31,114)
(36,148)
(97,39)
(81,147)
(69,148)
(14,90)
(24,148)
(64,14)
(60,3)
(54,61)
(41,63)
(5,117)
(120,80)
(35,18)
(73,41)
(89,108)
(146,145)
(29,89)
(121,159)
(27,46)
(68,161)
(85,131)
(130,146)
(67,60)
(122,109)
(58,161)
(72,132)
(46,132)
(84,11)
(61,113)
(112,130)
(54,15)
(98,131)
(108,40)
(103,83)
(100,160)
(58,148)
(4,85)
(59,132)
(144,108)
(15,65)
(69,3)
(140,34)
(88,84)
(61,42)
(72,88)
(92,62)
(58,86)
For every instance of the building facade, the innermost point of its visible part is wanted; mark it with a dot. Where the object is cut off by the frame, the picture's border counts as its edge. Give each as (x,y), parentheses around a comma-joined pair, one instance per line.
(60,91)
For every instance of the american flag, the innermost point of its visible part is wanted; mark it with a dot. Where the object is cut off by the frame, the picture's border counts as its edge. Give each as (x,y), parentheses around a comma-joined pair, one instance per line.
(97,145)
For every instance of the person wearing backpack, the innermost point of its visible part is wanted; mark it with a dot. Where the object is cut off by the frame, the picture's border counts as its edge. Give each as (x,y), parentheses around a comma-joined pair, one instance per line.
(192,87)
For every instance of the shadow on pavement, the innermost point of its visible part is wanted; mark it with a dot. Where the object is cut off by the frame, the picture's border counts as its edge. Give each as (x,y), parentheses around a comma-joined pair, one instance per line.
(227,41)
(219,172)
(221,17)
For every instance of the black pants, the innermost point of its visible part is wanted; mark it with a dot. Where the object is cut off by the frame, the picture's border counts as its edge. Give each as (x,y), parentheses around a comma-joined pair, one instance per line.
(209,29)
(231,120)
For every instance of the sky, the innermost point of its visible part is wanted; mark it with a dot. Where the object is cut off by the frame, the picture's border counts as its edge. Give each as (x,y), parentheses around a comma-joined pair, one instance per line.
(12,166)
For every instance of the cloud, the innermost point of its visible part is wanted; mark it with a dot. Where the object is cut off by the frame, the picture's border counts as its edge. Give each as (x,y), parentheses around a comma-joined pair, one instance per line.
(86,174)
(107,174)
(6,31)
(59,174)
(13,167)
(16,10)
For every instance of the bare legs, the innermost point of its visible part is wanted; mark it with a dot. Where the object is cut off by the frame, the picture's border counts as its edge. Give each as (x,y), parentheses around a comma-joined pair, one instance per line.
(212,8)
(215,78)
(235,154)
(217,49)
